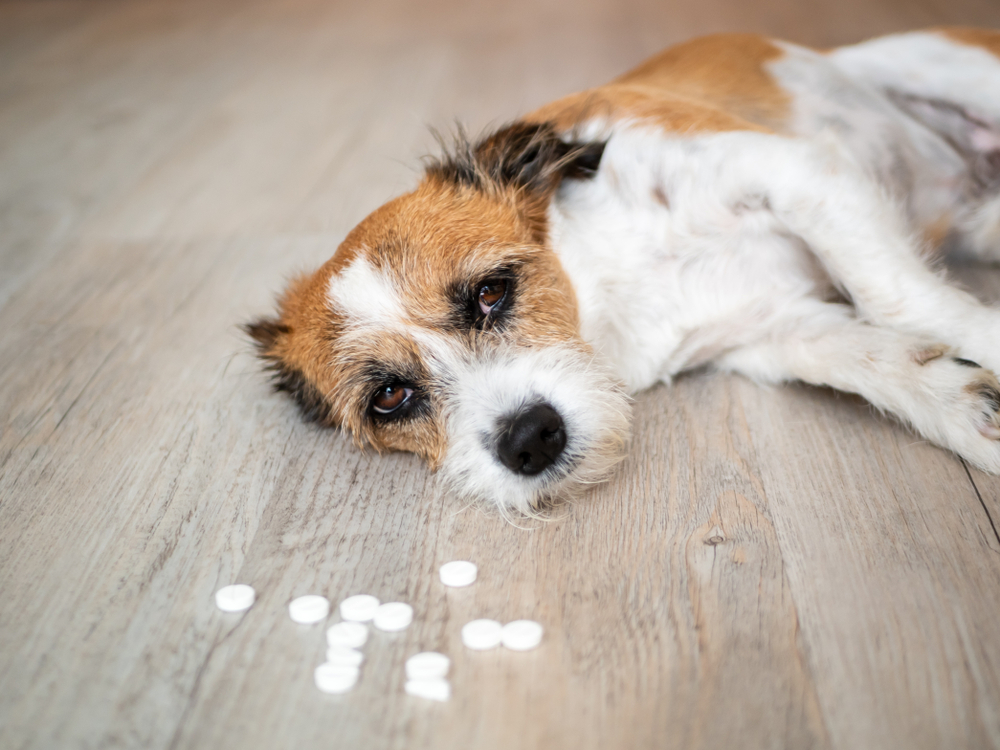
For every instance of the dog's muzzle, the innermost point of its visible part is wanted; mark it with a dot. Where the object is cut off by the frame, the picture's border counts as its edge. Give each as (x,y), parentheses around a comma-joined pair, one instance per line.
(531,440)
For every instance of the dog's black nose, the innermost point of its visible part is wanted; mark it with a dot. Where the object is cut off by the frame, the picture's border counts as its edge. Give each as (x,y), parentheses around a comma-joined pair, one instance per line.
(532,440)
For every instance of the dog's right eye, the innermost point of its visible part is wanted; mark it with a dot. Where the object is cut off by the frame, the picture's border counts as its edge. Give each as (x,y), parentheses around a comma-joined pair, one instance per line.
(490,299)
(491,293)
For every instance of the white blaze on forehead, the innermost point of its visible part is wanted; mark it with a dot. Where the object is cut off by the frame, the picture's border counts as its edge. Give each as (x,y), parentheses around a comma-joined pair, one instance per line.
(366,296)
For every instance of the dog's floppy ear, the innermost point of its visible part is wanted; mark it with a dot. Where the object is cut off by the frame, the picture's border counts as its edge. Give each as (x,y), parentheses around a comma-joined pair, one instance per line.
(522,156)
(531,156)
(268,335)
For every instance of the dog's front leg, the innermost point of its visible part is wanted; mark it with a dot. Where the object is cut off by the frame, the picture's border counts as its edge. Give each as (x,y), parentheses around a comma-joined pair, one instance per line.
(862,239)
(951,401)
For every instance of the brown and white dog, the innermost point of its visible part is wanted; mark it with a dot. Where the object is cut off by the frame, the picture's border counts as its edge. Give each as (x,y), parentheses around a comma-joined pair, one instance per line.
(736,201)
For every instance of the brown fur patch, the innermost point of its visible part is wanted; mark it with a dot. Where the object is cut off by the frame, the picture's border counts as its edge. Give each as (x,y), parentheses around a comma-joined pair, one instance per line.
(716,83)
(988,39)
(661,197)
(929,354)
(935,233)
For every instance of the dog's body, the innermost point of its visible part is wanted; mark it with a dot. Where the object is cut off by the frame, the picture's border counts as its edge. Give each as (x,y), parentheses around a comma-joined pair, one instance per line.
(739,202)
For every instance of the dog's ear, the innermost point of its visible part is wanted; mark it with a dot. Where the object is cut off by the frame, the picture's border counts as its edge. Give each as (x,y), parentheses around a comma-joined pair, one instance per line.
(522,156)
(266,332)
(268,335)
(533,157)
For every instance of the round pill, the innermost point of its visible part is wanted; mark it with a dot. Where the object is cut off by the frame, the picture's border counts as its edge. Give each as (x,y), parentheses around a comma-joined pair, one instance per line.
(344,655)
(427,666)
(235,598)
(482,634)
(458,573)
(359,608)
(522,635)
(309,609)
(393,616)
(349,634)
(335,678)
(434,690)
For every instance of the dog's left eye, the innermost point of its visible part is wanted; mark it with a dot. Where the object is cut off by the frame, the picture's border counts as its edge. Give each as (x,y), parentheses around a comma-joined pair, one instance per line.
(390,398)
(491,294)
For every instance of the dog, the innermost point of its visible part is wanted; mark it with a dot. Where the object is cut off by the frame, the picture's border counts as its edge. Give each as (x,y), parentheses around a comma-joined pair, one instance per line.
(735,202)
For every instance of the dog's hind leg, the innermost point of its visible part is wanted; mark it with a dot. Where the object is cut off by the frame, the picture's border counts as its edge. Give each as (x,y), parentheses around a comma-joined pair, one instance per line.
(952,401)
(949,81)
(863,241)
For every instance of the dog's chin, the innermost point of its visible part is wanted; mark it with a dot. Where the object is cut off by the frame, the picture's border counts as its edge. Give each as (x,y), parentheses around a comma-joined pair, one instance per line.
(594,408)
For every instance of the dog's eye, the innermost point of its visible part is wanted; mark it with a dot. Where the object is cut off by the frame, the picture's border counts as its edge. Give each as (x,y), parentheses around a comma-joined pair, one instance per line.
(390,398)
(491,294)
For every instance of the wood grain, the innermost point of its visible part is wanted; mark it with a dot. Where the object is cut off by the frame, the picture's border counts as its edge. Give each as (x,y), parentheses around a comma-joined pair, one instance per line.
(768,568)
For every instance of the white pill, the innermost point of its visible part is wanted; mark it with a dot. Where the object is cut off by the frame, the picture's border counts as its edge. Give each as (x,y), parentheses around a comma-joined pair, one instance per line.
(360,608)
(393,616)
(309,609)
(349,634)
(235,598)
(522,635)
(458,573)
(344,655)
(434,690)
(335,678)
(482,634)
(427,666)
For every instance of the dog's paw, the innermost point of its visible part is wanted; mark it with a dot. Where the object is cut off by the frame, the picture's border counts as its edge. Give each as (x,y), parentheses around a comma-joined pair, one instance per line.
(987,395)
(972,410)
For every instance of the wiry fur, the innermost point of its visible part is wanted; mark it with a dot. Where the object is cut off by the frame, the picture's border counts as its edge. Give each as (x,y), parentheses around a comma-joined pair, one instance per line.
(736,201)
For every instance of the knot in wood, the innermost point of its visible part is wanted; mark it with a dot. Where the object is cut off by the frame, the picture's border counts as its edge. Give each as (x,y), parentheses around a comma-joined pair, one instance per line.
(715,536)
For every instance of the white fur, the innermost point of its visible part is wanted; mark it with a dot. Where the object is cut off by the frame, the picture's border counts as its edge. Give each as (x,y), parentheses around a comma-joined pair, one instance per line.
(477,390)
(741,264)
(366,297)
(928,62)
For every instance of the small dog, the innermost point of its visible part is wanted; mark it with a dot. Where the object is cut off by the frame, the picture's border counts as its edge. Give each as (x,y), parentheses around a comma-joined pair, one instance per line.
(738,202)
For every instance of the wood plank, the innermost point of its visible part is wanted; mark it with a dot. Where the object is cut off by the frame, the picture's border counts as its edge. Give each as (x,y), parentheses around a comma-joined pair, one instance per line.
(82,117)
(893,567)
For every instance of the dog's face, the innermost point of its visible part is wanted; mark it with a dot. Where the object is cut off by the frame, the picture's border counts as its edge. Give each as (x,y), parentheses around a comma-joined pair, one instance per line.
(445,326)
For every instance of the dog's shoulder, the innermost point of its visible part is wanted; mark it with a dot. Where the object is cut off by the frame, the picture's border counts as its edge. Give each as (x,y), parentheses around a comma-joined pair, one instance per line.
(714,83)
(987,39)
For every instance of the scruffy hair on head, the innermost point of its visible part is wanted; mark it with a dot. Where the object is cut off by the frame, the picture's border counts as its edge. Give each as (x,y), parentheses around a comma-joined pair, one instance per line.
(522,156)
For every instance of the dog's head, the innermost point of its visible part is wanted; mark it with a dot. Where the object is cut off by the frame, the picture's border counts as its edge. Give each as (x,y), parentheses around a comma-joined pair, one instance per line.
(445,325)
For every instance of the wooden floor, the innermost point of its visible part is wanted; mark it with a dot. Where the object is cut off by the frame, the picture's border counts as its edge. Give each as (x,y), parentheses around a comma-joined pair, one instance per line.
(769,568)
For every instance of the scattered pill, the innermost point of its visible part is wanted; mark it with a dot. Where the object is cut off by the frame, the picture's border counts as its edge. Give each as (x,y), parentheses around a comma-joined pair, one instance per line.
(427,666)
(344,655)
(393,616)
(309,609)
(458,573)
(349,634)
(359,608)
(522,635)
(235,598)
(434,690)
(335,678)
(481,635)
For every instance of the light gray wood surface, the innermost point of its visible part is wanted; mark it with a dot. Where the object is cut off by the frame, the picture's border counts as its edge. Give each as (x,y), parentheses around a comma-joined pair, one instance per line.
(768,568)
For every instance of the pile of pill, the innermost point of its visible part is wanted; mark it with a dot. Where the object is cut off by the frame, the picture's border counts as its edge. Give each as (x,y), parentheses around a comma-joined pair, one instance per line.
(425,676)
(520,635)
(426,672)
